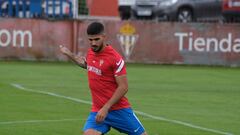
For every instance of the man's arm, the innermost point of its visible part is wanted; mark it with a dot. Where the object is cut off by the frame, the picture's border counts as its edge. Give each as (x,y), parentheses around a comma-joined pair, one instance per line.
(118,94)
(76,59)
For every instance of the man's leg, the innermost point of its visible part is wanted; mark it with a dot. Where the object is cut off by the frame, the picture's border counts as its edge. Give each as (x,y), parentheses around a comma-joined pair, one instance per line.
(91,127)
(91,132)
(125,121)
(144,133)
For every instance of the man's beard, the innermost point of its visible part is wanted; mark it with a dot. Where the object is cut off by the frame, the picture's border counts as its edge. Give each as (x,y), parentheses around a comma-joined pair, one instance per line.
(97,48)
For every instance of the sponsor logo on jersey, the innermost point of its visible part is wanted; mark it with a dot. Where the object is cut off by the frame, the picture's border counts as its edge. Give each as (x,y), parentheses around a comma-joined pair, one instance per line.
(94,70)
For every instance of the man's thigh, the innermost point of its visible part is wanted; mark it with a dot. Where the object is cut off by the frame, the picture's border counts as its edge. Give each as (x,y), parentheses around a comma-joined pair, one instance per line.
(125,121)
(92,126)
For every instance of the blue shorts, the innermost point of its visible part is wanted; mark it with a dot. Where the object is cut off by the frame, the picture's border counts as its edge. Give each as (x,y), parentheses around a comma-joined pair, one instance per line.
(123,120)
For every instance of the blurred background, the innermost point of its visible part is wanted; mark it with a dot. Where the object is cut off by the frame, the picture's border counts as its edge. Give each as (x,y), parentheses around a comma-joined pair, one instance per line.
(157,10)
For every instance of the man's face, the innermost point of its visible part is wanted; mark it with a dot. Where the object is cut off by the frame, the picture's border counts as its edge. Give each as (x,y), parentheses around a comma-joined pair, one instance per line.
(96,42)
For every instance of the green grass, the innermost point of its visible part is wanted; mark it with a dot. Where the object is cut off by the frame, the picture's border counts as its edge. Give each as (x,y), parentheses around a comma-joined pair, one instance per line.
(205,96)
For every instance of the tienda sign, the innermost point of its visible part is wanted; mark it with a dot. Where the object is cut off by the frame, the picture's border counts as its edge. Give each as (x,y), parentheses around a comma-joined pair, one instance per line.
(209,44)
(17,38)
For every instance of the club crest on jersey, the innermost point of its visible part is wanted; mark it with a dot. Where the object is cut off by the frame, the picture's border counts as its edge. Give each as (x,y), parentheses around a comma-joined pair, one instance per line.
(127,39)
(101,62)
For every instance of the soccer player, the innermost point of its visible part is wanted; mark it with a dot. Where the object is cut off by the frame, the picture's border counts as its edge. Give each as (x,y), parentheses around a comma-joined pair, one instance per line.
(108,83)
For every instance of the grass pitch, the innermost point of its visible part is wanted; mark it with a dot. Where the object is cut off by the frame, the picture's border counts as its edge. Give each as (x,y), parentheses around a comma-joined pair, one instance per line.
(206,97)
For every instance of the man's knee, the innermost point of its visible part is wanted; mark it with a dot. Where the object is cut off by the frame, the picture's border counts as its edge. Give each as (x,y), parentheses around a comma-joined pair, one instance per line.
(91,132)
(144,133)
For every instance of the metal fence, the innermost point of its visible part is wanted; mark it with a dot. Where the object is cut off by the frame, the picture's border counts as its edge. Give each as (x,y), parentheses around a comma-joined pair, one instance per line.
(36,8)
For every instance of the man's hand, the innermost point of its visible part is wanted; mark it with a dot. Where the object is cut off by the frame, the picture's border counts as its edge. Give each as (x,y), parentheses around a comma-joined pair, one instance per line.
(65,50)
(79,60)
(102,114)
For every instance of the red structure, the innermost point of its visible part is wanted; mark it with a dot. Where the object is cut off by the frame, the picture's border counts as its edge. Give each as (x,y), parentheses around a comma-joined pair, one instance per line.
(137,41)
(103,7)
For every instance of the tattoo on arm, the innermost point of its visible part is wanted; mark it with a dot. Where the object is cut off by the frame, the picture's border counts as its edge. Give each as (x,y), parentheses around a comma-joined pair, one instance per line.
(80,61)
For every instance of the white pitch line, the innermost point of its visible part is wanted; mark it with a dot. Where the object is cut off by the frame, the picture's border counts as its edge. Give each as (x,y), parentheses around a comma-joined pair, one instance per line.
(51,94)
(137,112)
(35,121)
(46,121)
(182,123)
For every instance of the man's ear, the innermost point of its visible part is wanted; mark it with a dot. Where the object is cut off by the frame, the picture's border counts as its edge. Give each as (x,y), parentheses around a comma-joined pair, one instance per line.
(104,35)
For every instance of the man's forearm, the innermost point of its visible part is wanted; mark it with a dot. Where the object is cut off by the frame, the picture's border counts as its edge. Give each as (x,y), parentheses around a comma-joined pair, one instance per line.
(119,93)
(79,61)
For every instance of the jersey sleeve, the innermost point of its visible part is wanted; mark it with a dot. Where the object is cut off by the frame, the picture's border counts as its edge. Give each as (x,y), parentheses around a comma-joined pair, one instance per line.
(119,67)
